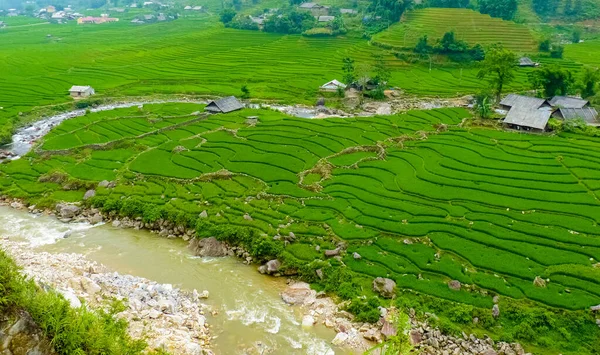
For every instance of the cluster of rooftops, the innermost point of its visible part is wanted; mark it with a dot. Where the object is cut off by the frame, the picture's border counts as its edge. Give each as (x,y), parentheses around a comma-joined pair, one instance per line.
(532,113)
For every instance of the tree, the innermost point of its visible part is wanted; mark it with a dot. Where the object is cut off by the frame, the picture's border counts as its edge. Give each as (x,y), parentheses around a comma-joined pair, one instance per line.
(227,15)
(589,82)
(245,91)
(545,7)
(553,80)
(568,9)
(382,71)
(499,66)
(390,10)
(449,3)
(348,68)
(545,45)
(422,46)
(557,51)
(505,9)
(576,36)
(483,106)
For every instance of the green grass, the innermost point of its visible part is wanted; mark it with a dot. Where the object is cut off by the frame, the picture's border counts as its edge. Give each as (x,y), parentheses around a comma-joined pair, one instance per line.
(468,25)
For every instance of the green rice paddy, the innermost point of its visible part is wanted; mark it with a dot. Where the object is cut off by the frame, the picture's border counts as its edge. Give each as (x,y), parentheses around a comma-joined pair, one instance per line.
(468,25)
(488,208)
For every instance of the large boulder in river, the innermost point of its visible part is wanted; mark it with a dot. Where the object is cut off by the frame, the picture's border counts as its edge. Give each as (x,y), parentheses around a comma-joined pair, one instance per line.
(208,247)
(67,210)
(385,287)
(299,293)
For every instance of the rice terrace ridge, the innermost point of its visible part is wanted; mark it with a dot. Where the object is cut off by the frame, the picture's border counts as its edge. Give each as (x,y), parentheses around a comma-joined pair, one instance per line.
(410,177)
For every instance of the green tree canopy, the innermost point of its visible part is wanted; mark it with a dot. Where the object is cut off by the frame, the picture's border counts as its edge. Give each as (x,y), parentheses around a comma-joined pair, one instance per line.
(499,66)
(505,9)
(553,80)
(589,82)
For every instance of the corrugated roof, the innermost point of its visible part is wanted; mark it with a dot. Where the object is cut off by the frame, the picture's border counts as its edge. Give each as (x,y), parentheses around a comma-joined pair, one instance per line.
(588,114)
(525,61)
(309,5)
(529,116)
(78,88)
(335,83)
(326,18)
(224,105)
(513,100)
(568,102)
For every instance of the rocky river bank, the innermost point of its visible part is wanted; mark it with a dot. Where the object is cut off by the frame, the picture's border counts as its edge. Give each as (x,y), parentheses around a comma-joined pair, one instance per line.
(168,318)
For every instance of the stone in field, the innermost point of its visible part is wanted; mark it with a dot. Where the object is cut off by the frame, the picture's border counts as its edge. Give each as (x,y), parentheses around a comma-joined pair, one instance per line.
(299,293)
(385,287)
(454,285)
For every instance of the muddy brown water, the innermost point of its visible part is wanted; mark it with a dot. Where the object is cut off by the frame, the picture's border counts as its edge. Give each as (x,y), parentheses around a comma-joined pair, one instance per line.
(252,318)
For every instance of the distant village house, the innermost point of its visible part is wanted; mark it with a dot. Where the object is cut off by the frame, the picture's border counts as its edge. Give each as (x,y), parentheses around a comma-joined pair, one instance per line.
(224,105)
(333,86)
(96,20)
(80,92)
(315,9)
(527,62)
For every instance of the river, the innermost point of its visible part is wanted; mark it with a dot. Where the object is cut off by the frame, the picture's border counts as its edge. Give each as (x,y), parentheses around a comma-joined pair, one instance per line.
(251,313)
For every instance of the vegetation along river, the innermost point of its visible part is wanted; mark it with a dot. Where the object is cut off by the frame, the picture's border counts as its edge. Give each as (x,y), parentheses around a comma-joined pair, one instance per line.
(251,317)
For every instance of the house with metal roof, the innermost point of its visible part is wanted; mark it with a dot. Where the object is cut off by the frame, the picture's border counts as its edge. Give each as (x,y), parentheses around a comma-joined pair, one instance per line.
(316,9)
(527,62)
(80,92)
(333,86)
(526,113)
(325,18)
(588,114)
(348,11)
(568,102)
(224,105)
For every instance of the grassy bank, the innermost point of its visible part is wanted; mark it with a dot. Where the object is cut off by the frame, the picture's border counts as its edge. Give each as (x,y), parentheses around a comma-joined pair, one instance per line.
(421,200)
(71,331)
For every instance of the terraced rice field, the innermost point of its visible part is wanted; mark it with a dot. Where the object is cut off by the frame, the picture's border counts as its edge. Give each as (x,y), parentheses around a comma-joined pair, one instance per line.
(489,208)
(468,25)
(190,56)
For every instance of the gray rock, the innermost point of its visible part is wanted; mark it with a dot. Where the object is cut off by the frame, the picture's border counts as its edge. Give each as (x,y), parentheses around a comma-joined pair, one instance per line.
(496,311)
(203,214)
(454,285)
(208,247)
(71,297)
(247,217)
(340,338)
(385,287)
(595,308)
(356,256)
(273,266)
(299,293)
(334,252)
(89,194)
(95,219)
(489,352)
(103,183)
(67,210)
(319,273)
(262,269)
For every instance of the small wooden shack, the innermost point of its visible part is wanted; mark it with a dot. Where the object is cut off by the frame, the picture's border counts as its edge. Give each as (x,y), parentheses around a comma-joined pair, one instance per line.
(79,92)
(224,105)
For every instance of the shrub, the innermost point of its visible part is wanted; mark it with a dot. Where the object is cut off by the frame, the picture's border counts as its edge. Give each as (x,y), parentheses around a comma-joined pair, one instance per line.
(365,310)
(545,45)
(557,52)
